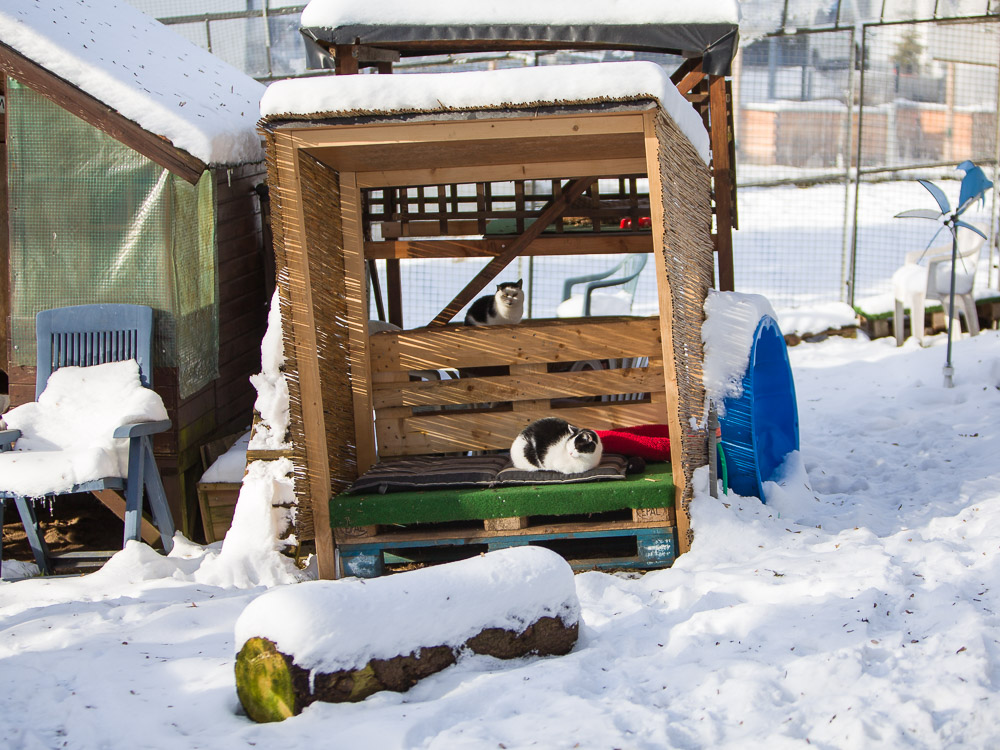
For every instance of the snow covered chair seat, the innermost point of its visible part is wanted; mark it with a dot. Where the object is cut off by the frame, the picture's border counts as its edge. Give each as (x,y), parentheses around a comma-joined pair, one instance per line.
(90,428)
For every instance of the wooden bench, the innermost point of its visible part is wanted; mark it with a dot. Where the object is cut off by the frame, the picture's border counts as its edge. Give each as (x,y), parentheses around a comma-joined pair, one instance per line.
(511,376)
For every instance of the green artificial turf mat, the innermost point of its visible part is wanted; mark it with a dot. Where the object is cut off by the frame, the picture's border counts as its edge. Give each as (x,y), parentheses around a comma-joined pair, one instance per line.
(654,488)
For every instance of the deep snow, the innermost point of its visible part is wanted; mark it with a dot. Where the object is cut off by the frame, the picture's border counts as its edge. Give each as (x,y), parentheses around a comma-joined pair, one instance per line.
(857,609)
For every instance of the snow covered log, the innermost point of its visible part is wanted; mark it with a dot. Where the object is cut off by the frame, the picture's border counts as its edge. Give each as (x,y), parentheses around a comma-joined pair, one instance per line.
(344,640)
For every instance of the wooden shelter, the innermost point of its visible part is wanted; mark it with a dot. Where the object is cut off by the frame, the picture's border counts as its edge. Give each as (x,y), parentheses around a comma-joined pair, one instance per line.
(224,310)
(335,176)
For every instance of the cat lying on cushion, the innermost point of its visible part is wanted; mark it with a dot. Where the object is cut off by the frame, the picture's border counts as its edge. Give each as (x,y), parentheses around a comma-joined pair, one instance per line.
(553,444)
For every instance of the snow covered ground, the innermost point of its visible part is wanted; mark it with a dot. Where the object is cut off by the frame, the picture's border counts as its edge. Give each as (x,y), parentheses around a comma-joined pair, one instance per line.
(856,609)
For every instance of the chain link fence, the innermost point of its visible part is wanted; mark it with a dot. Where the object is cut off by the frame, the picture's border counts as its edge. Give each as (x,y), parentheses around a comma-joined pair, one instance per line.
(836,114)
(834,127)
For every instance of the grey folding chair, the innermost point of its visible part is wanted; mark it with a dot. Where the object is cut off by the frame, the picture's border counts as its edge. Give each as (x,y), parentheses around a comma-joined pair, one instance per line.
(86,335)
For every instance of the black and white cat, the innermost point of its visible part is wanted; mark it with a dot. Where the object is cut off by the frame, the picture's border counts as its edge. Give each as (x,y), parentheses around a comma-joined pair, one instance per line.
(553,444)
(506,305)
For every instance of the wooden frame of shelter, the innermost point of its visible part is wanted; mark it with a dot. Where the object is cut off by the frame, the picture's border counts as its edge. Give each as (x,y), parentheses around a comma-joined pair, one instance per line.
(335,440)
(323,174)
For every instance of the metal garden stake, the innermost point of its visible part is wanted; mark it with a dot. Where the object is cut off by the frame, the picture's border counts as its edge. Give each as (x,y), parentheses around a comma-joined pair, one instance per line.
(974,186)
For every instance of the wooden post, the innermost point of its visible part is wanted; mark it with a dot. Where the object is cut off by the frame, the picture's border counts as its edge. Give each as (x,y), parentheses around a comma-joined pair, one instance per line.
(4,239)
(346,60)
(394,291)
(303,328)
(722,178)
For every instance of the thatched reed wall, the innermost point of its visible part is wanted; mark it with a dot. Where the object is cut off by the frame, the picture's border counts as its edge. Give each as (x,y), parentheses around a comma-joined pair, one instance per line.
(689,266)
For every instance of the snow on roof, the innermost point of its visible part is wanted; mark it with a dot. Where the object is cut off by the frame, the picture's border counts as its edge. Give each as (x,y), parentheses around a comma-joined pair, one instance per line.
(143,70)
(556,12)
(491,89)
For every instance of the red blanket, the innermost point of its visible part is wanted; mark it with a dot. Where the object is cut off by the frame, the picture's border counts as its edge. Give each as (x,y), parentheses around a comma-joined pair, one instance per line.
(646,440)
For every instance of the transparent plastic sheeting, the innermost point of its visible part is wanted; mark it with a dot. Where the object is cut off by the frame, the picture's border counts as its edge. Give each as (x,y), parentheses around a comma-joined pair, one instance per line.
(93,221)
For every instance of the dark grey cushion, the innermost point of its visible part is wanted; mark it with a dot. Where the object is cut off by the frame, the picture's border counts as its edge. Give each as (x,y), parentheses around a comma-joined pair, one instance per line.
(429,472)
(612,466)
(454,472)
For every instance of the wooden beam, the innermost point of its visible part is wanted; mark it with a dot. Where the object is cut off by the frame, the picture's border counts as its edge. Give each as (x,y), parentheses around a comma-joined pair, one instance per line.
(485,128)
(722,177)
(116,504)
(348,57)
(526,382)
(345,58)
(555,209)
(501,172)
(94,112)
(303,327)
(567,243)
(530,342)
(690,79)
(689,65)
(666,307)
(394,289)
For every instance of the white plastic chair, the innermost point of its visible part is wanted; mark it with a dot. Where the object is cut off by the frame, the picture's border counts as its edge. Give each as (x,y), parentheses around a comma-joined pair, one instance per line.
(913,283)
(613,295)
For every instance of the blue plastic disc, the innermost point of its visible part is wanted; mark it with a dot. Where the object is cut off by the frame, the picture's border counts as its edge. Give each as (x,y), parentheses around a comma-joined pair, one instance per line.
(761,427)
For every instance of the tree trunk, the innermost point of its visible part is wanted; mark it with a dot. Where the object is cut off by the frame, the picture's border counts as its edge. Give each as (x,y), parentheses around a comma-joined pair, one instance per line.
(272,687)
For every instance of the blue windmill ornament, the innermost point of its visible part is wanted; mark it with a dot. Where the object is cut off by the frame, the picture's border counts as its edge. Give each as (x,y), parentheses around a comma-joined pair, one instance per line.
(973,188)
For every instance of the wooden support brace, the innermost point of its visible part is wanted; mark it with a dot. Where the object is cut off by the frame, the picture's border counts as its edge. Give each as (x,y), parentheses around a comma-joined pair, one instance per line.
(116,504)
(555,209)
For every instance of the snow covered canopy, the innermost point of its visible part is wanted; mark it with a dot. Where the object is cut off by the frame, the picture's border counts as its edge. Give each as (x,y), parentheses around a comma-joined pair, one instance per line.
(110,59)
(707,29)
(347,96)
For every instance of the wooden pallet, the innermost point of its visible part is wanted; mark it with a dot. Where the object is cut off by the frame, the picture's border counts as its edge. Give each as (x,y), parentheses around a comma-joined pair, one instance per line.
(647,540)
(217,501)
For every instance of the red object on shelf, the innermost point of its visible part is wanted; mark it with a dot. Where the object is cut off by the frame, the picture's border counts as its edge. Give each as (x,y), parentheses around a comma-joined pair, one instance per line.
(645,222)
(650,441)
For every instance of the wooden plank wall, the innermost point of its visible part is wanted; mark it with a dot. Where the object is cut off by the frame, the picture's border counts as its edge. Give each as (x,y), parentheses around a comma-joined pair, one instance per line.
(244,294)
(420,416)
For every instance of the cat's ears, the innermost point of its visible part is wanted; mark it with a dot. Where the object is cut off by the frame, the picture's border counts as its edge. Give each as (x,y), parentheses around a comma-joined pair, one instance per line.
(518,284)
(507,283)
